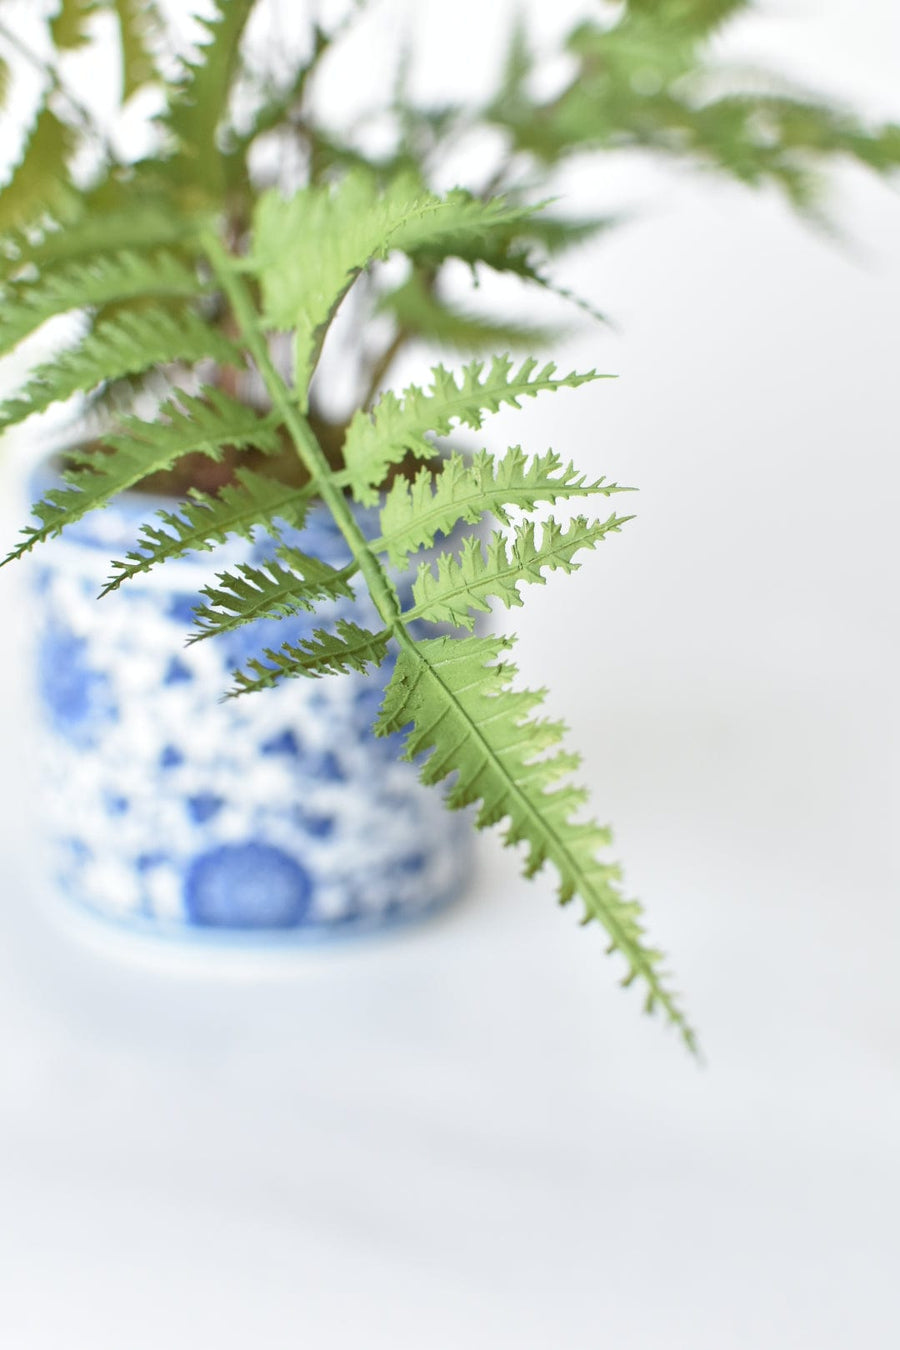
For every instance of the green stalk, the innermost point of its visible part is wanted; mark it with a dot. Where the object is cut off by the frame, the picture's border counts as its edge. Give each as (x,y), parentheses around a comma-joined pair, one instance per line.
(308,449)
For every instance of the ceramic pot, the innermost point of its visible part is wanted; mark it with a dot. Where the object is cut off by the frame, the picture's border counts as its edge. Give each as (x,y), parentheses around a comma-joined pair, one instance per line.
(273,818)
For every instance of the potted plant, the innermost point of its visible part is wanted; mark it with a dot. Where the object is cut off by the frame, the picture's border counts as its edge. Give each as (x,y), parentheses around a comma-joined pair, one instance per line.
(352,556)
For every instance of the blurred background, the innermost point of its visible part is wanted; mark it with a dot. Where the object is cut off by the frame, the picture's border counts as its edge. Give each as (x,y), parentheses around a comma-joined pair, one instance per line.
(468,1136)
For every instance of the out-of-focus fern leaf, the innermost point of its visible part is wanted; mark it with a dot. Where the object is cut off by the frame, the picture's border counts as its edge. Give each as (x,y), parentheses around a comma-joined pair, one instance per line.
(466,227)
(455,693)
(127,345)
(644,81)
(348,648)
(276,103)
(153,225)
(201,103)
(138,22)
(455,589)
(69,26)
(40,181)
(309,248)
(467,490)
(292,581)
(397,426)
(519,62)
(204,424)
(254,501)
(556,234)
(694,18)
(104,280)
(421,313)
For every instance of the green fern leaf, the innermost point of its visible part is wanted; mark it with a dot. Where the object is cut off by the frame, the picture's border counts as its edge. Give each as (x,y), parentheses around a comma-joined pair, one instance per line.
(460,225)
(397,426)
(128,345)
(104,280)
(205,424)
(69,26)
(254,501)
(456,694)
(467,490)
(418,311)
(40,181)
(138,22)
(348,648)
(308,249)
(157,225)
(461,586)
(291,582)
(689,19)
(201,104)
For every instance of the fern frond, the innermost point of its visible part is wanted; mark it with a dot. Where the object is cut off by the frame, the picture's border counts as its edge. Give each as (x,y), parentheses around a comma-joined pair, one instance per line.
(156,225)
(292,581)
(348,648)
(207,424)
(40,180)
(455,693)
(694,19)
(127,345)
(461,225)
(421,313)
(69,26)
(138,22)
(467,490)
(106,279)
(201,103)
(308,249)
(277,102)
(397,426)
(460,587)
(558,234)
(253,501)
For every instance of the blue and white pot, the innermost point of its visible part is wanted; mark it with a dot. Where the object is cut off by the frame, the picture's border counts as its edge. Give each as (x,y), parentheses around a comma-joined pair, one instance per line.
(274,818)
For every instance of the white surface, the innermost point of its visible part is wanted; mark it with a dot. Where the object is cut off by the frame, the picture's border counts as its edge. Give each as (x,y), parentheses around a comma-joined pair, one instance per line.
(469,1137)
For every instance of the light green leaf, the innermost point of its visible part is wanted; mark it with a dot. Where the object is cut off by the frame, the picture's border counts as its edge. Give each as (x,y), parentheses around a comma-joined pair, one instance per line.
(308,249)
(348,648)
(422,313)
(105,279)
(292,581)
(69,28)
(254,501)
(128,345)
(138,21)
(204,424)
(468,490)
(89,237)
(397,426)
(456,694)
(40,182)
(454,589)
(201,103)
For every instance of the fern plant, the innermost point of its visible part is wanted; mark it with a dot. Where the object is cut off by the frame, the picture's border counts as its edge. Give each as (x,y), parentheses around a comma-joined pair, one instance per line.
(209,287)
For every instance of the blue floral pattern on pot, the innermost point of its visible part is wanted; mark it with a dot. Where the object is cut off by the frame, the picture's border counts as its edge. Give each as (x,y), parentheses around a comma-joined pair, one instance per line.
(274,817)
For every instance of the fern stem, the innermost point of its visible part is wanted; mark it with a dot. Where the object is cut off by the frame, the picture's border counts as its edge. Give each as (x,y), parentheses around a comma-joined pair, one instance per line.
(308,449)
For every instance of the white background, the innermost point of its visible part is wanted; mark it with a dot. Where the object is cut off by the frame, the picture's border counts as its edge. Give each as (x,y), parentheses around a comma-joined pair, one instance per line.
(469,1137)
